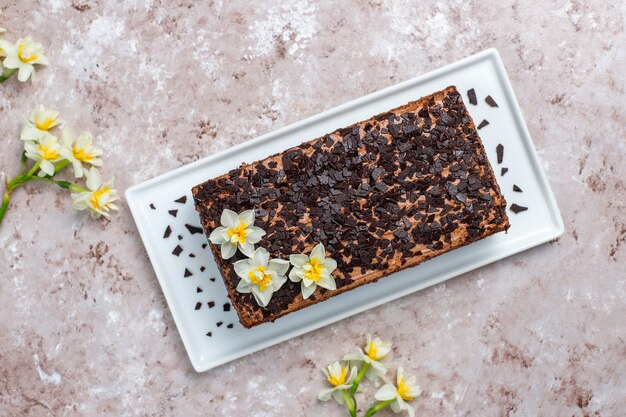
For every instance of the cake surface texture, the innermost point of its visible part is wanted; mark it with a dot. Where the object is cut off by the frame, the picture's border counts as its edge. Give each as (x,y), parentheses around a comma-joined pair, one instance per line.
(382,195)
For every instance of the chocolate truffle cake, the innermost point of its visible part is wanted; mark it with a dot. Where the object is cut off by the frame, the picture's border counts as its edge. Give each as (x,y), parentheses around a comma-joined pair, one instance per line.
(382,195)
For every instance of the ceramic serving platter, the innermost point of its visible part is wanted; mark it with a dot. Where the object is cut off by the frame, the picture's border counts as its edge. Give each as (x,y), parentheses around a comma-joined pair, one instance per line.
(169,226)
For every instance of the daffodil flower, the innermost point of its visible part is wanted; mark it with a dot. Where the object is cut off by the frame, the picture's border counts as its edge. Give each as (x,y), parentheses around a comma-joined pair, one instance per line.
(261,275)
(313,270)
(39,123)
(46,152)
(397,396)
(80,151)
(23,55)
(340,378)
(375,351)
(99,198)
(236,231)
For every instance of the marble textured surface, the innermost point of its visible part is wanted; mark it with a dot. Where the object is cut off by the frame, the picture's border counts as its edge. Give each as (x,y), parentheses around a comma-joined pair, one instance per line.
(84,327)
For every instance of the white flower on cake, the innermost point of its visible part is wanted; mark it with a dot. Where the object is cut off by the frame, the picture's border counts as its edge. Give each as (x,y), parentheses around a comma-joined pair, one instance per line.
(99,198)
(46,152)
(80,151)
(313,270)
(261,275)
(375,351)
(339,379)
(23,55)
(406,390)
(39,123)
(236,231)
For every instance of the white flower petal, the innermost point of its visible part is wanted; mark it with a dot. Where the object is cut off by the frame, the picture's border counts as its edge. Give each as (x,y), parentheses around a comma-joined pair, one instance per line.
(228,250)
(254,234)
(262,297)
(325,394)
(318,252)
(293,275)
(278,281)
(337,396)
(46,167)
(247,218)
(327,282)
(307,291)
(217,235)
(386,392)
(330,264)
(261,257)
(242,269)
(246,248)
(298,259)
(94,179)
(244,287)
(279,265)
(229,218)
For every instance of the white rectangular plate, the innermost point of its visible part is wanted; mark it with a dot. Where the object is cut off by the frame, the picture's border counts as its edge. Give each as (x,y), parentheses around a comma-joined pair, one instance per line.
(208,326)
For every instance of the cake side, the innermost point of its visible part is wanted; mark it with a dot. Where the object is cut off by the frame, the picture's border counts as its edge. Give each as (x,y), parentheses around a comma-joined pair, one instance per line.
(382,195)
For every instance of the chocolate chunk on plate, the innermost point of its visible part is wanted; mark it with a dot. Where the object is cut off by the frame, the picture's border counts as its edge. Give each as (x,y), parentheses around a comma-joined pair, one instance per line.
(500,152)
(515,208)
(471,95)
(483,124)
(503,171)
(516,189)
(491,101)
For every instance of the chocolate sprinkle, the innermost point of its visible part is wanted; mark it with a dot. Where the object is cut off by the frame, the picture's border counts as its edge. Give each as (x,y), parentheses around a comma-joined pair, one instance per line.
(173,212)
(503,171)
(177,250)
(204,245)
(198,289)
(209,334)
(227,307)
(192,255)
(167,233)
(152,206)
(491,101)
(181,200)
(193,229)
(212,279)
(202,268)
(219,323)
(198,305)
(180,237)
(230,326)
(471,95)
(517,208)
(500,152)
(516,188)
(211,304)
(482,124)
(187,273)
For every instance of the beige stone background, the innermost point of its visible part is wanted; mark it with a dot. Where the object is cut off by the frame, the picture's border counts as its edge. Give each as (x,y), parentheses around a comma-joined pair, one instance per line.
(84,328)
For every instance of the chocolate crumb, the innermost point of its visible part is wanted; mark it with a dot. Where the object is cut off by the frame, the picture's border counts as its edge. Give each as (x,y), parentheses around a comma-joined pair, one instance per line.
(227,307)
(193,229)
(503,171)
(230,326)
(211,304)
(180,237)
(491,101)
(177,250)
(219,323)
(500,152)
(202,268)
(516,188)
(192,255)
(187,273)
(209,334)
(517,208)
(173,212)
(212,279)
(482,124)
(204,245)
(181,200)
(167,233)
(152,206)
(471,95)
(198,305)
(198,289)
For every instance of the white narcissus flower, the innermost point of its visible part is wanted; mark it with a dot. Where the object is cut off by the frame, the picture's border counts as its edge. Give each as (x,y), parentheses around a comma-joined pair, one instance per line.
(23,55)
(375,351)
(339,379)
(406,390)
(39,123)
(261,275)
(46,151)
(100,197)
(80,151)
(236,231)
(313,270)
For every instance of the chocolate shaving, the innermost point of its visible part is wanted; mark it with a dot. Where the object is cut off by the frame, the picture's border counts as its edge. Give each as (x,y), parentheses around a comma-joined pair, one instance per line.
(193,229)
(482,124)
(209,334)
(491,101)
(219,323)
(471,95)
(152,206)
(181,200)
(517,208)
(516,188)
(500,152)
(227,307)
(230,326)
(167,233)
(211,304)
(503,171)
(198,305)
(173,212)
(192,255)
(187,273)
(198,289)
(177,250)
(180,237)
(212,279)
(202,268)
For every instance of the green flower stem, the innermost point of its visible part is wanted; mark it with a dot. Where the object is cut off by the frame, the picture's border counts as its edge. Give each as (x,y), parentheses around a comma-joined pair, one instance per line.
(66,185)
(32,171)
(5,202)
(60,166)
(23,162)
(359,377)
(350,402)
(7,73)
(375,409)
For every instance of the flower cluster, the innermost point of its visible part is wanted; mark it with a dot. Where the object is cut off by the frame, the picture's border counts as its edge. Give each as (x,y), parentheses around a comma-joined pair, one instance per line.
(22,55)
(344,379)
(50,157)
(261,275)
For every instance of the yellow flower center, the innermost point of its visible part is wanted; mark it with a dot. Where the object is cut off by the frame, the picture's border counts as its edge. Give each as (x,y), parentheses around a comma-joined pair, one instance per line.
(403,390)
(263,281)
(81,154)
(96,196)
(372,352)
(336,380)
(313,270)
(47,152)
(46,124)
(25,58)
(239,232)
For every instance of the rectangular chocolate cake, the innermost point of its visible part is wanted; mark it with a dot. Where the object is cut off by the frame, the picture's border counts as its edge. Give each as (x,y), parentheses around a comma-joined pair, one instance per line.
(382,195)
